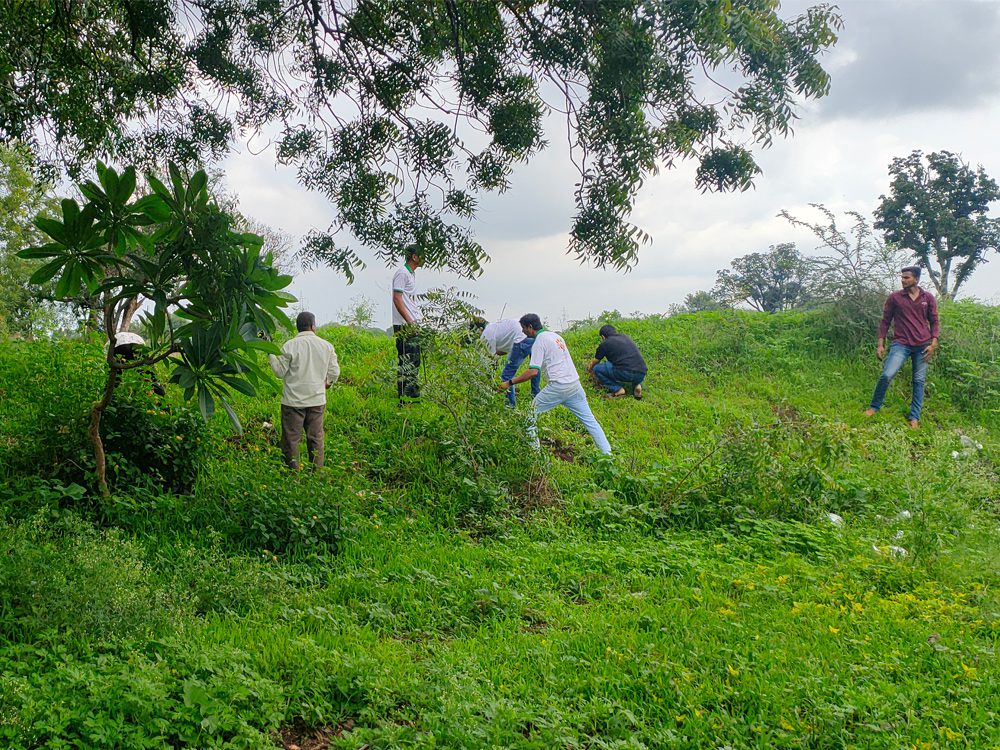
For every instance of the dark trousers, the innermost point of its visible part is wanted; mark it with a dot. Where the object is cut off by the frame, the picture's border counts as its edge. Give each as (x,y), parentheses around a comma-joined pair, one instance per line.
(293,420)
(408,355)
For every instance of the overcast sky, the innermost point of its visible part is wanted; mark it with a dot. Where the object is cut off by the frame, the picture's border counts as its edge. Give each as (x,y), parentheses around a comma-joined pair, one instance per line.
(907,74)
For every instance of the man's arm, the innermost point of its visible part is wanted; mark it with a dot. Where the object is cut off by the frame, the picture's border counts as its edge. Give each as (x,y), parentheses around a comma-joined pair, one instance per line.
(332,368)
(932,318)
(280,364)
(888,311)
(400,305)
(592,365)
(525,376)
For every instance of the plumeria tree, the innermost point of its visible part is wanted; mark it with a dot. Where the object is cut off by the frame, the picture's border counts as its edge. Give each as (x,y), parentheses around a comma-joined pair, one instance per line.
(175,249)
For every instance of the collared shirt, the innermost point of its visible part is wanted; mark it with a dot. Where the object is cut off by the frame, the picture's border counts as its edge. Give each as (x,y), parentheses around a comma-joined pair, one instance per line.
(551,356)
(405,282)
(306,365)
(501,336)
(914,322)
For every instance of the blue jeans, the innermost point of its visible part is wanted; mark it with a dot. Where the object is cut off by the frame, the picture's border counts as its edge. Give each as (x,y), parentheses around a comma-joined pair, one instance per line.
(571,396)
(518,353)
(894,361)
(614,379)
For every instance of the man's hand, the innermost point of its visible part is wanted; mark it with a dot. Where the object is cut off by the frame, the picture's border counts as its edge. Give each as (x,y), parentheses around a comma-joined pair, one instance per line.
(504,386)
(880,350)
(929,351)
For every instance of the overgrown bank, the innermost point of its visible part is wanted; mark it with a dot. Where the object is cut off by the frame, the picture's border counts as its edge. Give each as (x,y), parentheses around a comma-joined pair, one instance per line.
(440,585)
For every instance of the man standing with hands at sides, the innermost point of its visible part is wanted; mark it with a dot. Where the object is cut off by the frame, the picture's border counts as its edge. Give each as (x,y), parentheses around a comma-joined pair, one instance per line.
(308,366)
(405,322)
(550,354)
(913,314)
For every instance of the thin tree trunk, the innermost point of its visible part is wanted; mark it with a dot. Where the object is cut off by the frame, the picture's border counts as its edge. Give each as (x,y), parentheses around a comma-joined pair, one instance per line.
(96,412)
(131,308)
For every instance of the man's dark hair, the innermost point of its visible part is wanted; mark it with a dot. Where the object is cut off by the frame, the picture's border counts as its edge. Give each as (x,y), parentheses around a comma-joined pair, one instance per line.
(915,270)
(608,330)
(531,320)
(305,321)
(477,324)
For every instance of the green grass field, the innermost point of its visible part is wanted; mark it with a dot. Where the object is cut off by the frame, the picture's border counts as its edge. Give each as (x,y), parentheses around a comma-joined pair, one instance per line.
(441,585)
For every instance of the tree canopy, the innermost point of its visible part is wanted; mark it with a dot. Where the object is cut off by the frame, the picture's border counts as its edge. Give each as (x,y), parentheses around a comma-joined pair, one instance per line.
(402,111)
(769,282)
(938,210)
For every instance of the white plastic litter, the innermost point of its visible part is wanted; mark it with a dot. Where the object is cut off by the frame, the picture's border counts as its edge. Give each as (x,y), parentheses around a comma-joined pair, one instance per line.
(904,515)
(835,519)
(899,535)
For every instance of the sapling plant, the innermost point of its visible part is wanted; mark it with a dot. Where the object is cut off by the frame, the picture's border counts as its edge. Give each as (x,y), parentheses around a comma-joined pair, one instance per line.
(175,248)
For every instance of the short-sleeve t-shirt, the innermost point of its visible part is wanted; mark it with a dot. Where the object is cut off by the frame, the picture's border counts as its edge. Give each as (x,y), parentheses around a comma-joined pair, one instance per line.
(501,336)
(621,352)
(404,281)
(551,355)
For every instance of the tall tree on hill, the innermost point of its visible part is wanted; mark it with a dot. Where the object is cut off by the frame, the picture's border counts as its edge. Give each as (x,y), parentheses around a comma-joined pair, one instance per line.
(769,282)
(402,111)
(938,210)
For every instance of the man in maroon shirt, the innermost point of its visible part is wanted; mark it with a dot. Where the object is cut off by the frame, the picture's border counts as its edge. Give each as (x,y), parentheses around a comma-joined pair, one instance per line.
(914,318)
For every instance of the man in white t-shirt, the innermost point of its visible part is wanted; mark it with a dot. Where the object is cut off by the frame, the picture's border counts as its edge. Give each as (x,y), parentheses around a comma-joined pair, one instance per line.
(308,366)
(506,337)
(550,355)
(405,323)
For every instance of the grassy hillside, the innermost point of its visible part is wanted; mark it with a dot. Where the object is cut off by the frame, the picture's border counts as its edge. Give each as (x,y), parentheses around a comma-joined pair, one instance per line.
(440,584)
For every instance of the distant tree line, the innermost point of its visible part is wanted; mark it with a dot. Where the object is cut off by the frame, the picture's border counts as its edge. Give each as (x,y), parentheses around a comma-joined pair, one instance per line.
(935,216)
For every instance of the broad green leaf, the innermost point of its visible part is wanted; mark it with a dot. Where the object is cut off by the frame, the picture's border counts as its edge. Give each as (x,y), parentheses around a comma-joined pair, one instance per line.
(126,186)
(49,250)
(54,229)
(235,420)
(47,271)
(198,182)
(205,401)
(239,385)
(152,206)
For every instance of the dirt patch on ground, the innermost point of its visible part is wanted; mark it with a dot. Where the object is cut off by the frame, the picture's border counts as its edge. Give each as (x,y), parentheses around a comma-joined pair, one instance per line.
(297,737)
(562,451)
(534,493)
(786,413)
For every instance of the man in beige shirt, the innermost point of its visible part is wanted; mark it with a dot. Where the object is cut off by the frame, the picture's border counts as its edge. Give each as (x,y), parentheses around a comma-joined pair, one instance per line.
(308,366)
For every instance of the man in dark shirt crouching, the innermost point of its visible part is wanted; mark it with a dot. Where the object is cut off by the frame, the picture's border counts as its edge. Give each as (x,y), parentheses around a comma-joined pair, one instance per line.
(624,365)
(913,314)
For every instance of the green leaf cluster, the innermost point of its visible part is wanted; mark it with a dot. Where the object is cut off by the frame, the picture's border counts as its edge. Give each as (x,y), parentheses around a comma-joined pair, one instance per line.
(400,111)
(176,249)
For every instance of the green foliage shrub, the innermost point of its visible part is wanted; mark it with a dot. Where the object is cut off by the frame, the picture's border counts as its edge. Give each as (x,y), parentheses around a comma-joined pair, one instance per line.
(266,507)
(150,443)
(969,358)
(63,578)
(170,694)
(848,325)
(46,388)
